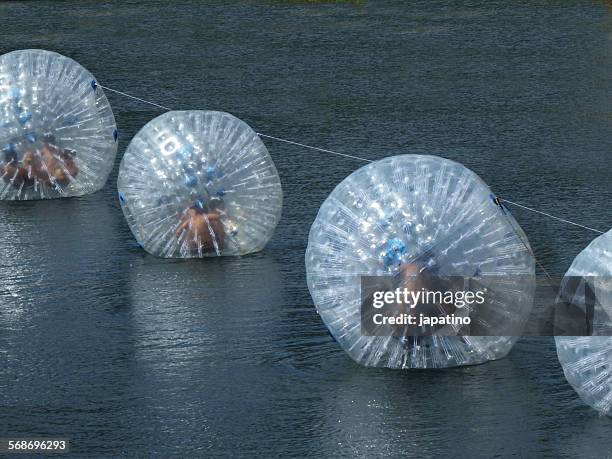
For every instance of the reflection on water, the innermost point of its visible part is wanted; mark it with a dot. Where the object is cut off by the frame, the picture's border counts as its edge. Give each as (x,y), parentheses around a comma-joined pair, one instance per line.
(223,312)
(127,354)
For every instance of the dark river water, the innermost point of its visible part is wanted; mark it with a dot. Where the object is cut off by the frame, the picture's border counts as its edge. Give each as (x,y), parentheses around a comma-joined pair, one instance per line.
(126,354)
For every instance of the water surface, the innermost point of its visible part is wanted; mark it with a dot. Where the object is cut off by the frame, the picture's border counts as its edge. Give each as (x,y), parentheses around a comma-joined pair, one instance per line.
(127,354)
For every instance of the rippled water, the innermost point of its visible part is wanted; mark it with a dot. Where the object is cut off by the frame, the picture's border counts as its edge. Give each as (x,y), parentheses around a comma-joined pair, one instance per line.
(127,354)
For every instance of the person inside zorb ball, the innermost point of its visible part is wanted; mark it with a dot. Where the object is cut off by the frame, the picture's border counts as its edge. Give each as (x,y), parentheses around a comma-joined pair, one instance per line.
(417,220)
(58,135)
(196,184)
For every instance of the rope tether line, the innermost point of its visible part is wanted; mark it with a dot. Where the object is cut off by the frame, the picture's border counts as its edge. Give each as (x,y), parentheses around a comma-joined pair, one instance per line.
(134,97)
(553,217)
(291,142)
(498,201)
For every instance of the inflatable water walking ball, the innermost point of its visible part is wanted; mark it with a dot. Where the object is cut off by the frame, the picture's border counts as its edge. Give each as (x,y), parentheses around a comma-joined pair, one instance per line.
(58,136)
(425,212)
(587,360)
(197,184)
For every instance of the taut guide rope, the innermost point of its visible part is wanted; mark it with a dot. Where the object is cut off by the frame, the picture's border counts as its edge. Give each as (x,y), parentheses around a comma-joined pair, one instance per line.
(345,155)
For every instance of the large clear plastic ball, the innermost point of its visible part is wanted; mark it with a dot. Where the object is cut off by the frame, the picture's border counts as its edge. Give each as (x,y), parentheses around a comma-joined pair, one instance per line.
(423,210)
(197,184)
(587,360)
(58,136)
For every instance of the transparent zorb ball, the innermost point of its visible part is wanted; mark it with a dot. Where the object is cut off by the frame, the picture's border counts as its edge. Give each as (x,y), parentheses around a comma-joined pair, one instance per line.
(408,209)
(58,136)
(587,360)
(199,183)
